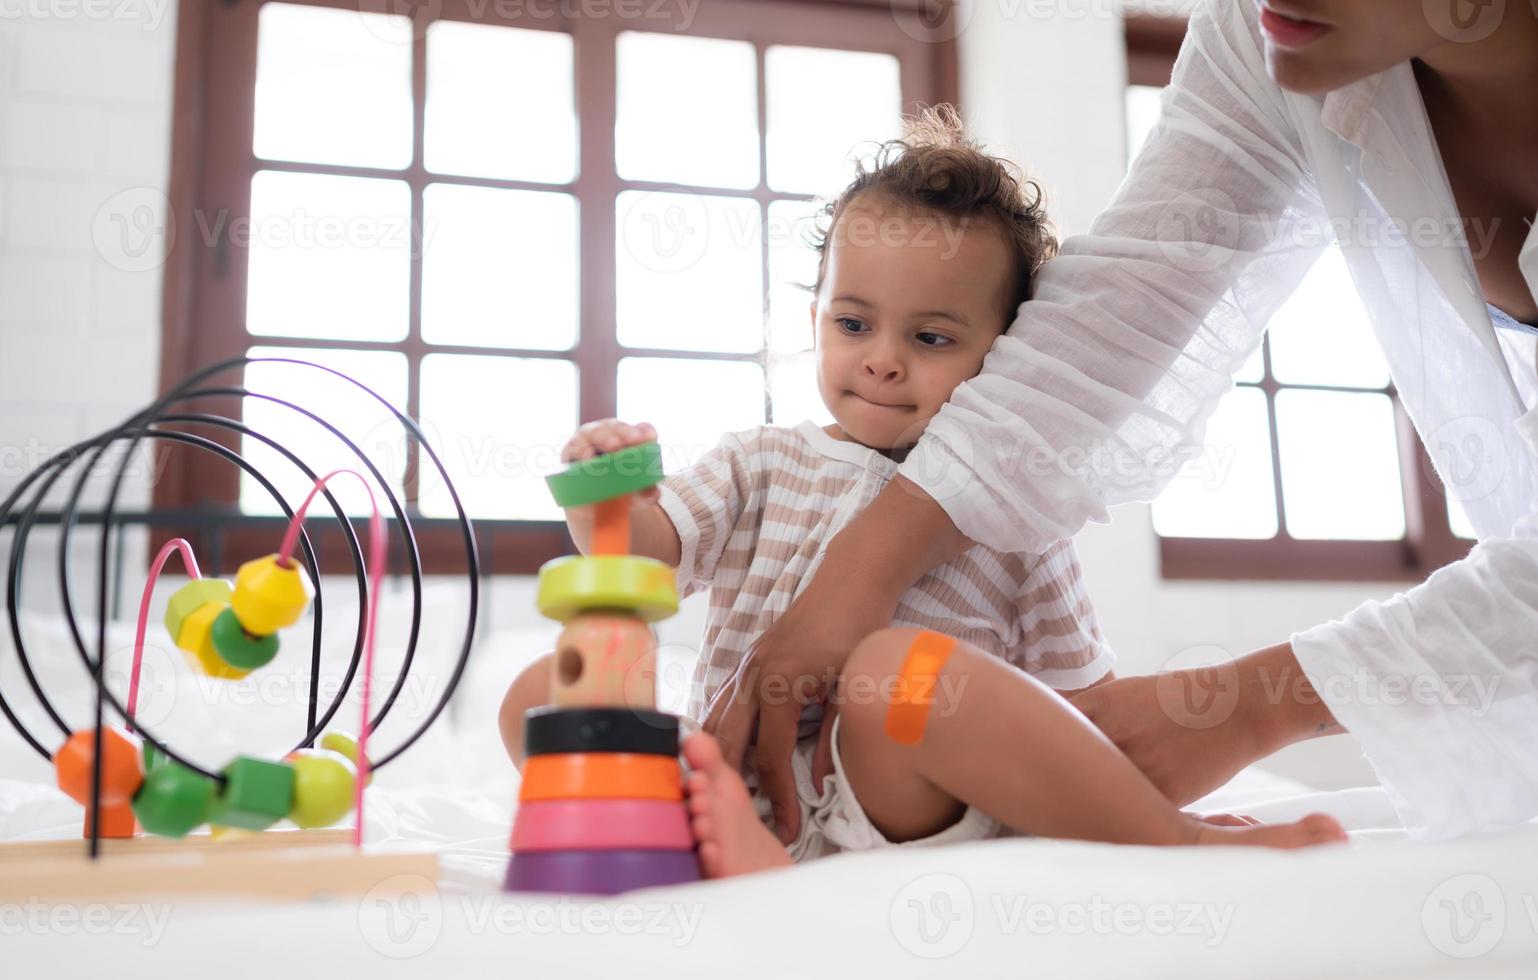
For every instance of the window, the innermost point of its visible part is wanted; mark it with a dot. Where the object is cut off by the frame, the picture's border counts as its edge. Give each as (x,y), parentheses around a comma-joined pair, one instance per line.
(1310,468)
(511,217)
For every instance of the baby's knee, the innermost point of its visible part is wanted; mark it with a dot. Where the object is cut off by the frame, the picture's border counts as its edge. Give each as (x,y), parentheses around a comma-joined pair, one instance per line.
(871,675)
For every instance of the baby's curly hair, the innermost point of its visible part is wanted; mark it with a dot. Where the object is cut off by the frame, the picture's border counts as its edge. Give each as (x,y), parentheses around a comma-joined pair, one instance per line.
(936,168)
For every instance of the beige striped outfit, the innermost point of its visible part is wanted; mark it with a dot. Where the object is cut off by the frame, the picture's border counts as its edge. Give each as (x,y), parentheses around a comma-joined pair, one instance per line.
(754,518)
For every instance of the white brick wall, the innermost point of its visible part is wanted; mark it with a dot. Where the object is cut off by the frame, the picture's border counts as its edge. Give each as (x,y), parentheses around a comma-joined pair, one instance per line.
(85,115)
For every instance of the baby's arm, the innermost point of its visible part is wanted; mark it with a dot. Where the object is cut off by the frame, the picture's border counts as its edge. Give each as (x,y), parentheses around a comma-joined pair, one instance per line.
(651,530)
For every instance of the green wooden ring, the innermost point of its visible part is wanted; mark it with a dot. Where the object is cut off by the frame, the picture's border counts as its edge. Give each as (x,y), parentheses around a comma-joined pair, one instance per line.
(238,648)
(589,481)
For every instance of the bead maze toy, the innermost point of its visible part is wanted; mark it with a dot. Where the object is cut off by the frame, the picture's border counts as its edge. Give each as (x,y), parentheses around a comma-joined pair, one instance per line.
(601,806)
(148,799)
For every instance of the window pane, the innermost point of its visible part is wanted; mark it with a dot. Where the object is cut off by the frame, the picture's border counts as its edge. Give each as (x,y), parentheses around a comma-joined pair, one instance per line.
(1340,465)
(333,86)
(499,268)
(1227,491)
(1142,105)
(792,269)
(689,272)
(793,395)
(822,105)
(688,110)
(1321,335)
(498,424)
(362,419)
(1254,369)
(690,402)
(1458,520)
(500,102)
(329,257)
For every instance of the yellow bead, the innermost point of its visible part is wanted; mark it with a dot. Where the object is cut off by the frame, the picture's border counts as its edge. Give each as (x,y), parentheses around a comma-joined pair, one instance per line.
(324,782)
(269,597)
(189,598)
(575,584)
(345,745)
(197,641)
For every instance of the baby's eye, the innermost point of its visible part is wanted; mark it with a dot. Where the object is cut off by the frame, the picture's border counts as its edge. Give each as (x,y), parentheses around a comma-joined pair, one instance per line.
(850,324)
(934,339)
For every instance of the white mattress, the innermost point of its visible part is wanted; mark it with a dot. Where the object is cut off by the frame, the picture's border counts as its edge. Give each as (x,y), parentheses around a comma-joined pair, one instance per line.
(1380,906)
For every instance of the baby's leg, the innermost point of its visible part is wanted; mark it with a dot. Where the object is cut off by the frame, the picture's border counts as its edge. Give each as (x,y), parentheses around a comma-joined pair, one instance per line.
(999,740)
(529,689)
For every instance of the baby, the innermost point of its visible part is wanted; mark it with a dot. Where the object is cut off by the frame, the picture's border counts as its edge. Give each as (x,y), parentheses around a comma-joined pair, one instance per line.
(922,261)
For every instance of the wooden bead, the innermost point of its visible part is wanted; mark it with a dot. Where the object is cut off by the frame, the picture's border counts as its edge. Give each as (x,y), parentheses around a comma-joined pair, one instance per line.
(605,659)
(238,648)
(346,746)
(324,782)
(269,597)
(256,794)
(121,771)
(197,642)
(189,599)
(174,800)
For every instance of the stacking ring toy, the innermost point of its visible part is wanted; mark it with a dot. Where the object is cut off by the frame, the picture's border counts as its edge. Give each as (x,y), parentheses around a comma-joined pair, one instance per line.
(615,474)
(570,586)
(575,825)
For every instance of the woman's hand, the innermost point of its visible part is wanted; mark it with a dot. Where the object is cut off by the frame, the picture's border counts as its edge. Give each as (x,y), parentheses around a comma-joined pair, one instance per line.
(794,663)
(854,592)
(1192,730)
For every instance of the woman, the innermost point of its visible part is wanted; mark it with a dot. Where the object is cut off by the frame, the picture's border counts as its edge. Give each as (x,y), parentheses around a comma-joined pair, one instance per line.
(1408,131)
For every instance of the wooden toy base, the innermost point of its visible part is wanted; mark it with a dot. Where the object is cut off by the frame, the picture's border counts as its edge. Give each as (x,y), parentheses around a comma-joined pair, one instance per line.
(285,865)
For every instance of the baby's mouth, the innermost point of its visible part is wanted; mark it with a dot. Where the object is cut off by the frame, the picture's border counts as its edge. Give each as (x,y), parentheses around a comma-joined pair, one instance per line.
(871,401)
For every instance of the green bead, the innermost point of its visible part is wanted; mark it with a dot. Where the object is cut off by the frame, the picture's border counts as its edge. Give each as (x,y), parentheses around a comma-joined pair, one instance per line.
(174,800)
(323,787)
(257,794)
(190,598)
(589,481)
(238,648)
(152,756)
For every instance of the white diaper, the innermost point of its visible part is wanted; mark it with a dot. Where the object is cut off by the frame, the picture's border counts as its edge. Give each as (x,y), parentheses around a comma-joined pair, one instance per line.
(832,819)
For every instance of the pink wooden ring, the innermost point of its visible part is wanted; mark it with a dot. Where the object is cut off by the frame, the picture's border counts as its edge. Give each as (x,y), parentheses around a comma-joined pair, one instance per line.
(594,824)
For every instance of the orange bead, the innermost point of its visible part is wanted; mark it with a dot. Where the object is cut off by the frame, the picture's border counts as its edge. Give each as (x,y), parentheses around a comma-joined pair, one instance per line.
(611,526)
(121,770)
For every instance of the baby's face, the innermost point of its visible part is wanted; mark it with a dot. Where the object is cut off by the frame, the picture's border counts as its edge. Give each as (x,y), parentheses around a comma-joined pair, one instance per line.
(909,306)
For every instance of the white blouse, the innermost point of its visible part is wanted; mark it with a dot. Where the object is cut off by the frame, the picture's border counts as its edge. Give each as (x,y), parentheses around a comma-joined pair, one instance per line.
(1104,383)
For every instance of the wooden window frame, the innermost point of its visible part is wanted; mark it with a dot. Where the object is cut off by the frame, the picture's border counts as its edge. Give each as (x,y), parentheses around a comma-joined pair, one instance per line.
(213,162)
(1429,541)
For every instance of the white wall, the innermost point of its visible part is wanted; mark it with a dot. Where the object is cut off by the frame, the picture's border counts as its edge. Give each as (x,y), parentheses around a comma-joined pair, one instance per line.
(85,118)
(1044,83)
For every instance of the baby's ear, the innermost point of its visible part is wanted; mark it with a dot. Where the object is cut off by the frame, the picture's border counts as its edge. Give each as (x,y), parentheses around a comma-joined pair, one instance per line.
(811,316)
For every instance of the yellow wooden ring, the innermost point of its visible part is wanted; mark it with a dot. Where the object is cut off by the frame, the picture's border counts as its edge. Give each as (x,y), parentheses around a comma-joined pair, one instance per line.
(575,584)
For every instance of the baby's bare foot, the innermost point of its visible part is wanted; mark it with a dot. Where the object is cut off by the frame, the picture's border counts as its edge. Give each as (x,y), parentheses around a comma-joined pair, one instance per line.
(1316,828)
(732,839)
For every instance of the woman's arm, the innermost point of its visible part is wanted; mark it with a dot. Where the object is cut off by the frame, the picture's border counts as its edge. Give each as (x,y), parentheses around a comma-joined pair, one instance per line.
(1107,376)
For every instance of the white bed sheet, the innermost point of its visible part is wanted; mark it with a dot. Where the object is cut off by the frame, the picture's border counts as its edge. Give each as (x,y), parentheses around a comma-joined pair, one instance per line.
(1380,906)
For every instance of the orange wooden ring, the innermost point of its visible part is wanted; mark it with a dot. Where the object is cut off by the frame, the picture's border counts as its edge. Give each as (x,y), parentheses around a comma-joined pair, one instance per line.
(915,694)
(601,775)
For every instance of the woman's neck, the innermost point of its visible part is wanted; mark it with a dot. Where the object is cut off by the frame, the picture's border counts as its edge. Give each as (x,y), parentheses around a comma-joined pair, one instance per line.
(1492,81)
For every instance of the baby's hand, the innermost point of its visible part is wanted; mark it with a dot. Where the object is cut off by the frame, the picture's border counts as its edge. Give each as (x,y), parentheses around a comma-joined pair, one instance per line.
(607,436)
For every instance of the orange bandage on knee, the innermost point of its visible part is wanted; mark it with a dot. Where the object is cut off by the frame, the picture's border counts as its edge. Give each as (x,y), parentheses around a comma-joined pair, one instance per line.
(915,693)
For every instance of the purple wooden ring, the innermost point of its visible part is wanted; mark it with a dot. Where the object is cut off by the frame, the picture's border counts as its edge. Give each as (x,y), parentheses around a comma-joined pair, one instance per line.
(601,872)
(594,824)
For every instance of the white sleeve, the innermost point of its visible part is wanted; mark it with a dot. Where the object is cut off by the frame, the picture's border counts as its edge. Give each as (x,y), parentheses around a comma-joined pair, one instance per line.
(1440,685)
(706,501)
(1135,330)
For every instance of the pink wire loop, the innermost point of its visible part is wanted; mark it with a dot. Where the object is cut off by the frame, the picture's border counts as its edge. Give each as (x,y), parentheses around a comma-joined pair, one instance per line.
(158,565)
(378,548)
